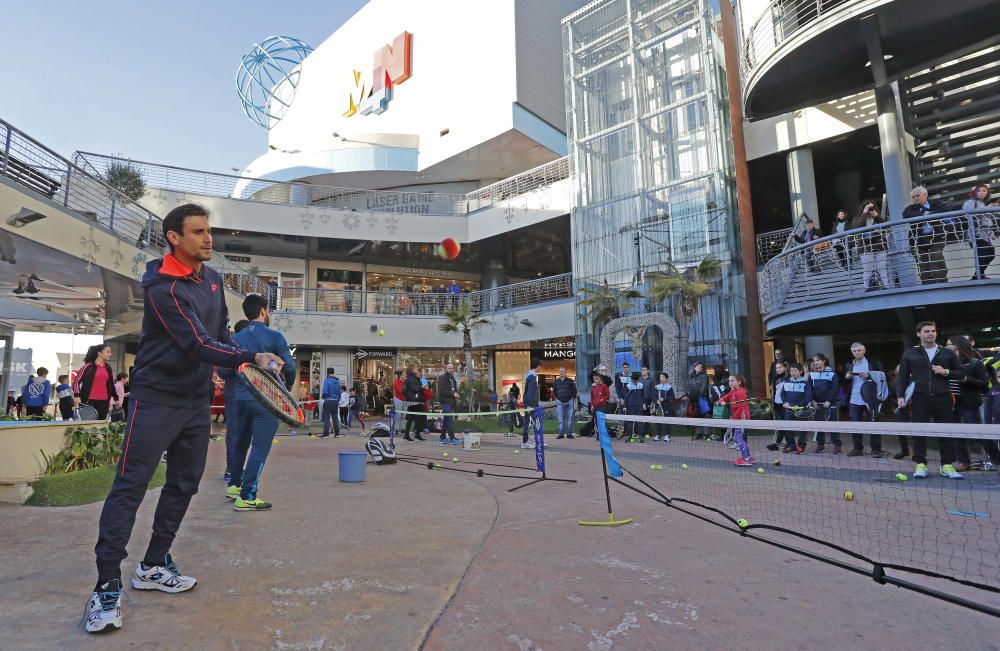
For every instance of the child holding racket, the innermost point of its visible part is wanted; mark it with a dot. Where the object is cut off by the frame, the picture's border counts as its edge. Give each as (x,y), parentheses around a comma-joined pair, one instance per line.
(736,400)
(796,393)
(184,334)
(255,425)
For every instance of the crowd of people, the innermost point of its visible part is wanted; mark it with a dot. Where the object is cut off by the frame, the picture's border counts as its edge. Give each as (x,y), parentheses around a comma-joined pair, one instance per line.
(927,238)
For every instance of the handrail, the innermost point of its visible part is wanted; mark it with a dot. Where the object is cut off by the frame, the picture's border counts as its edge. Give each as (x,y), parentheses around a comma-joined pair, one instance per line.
(779,21)
(86,195)
(180,179)
(387,302)
(891,255)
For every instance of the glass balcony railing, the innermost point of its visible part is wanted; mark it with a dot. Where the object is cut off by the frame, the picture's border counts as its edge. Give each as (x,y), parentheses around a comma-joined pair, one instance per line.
(946,249)
(779,22)
(179,179)
(356,301)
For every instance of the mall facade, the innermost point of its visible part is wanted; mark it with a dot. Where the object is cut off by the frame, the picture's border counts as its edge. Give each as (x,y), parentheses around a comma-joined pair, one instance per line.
(568,146)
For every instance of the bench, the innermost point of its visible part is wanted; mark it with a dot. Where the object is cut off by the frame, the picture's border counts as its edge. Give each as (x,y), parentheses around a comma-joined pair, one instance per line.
(29,177)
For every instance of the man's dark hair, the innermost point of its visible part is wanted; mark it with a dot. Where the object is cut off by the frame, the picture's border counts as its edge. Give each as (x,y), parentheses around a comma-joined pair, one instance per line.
(535,364)
(252,305)
(174,221)
(242,323)
(796,365)
(329,370)
(924,324)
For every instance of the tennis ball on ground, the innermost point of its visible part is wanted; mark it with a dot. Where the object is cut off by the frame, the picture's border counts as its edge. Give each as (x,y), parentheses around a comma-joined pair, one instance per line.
(760,470)
(517,452)
(684,466)
(274,441)
(454,460)
(445,454)
(743,523)
(659,466)
(652,466)
(849,496)
(901,477)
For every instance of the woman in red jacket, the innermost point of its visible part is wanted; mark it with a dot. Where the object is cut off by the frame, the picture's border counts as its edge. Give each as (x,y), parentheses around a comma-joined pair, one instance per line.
(736,399)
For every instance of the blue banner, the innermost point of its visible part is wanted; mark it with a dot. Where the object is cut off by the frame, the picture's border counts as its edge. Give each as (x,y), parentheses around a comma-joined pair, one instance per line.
(614,469)
(392,429)
(539,440)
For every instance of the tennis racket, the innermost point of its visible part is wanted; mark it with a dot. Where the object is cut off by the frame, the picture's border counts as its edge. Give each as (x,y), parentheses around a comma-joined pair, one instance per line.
(271,393)
(86,412)
(804,413)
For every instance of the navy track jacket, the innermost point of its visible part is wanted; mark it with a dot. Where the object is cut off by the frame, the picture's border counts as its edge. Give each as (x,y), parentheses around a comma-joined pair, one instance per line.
(185,332)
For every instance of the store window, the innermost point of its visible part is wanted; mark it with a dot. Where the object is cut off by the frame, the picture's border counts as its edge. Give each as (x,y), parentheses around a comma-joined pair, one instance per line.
(338,290)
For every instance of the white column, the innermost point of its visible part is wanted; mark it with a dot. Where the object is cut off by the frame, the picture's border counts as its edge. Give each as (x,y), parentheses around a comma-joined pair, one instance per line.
(802,184)
(822,344)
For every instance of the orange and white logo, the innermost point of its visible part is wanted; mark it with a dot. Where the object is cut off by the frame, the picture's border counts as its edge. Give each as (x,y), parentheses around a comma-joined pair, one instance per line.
(390,66)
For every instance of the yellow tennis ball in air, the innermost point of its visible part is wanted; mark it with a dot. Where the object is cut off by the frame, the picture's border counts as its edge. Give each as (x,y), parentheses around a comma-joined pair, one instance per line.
(381,333)
(849,496)
(760,470)
(743,523)
(684,466)
(901,477)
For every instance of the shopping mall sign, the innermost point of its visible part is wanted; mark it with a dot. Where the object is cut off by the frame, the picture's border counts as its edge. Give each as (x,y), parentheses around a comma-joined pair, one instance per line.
(390,66)
(360,353)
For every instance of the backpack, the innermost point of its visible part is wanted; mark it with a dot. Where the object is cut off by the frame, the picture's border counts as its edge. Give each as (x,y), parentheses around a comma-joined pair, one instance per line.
(380,451)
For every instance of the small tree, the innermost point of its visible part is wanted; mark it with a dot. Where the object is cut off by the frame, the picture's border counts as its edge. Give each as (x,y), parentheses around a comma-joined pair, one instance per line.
(605,304)
(689,286)
(460,319)
(127,178)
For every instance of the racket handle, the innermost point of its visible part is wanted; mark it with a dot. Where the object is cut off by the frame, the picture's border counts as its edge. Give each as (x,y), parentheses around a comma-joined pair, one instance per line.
(273,365)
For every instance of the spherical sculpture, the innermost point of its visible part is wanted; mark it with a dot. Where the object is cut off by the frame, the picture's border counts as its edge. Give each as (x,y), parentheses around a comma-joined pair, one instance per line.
(268,76)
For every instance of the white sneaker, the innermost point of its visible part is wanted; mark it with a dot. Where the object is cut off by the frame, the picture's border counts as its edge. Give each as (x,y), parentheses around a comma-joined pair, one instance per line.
(166,578)
(666,438)
(105,608)
(656,438)
(921,471)
(528,446)
(949,471)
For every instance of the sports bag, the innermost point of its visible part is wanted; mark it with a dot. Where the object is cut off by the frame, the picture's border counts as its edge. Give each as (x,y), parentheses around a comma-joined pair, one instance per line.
(380,451)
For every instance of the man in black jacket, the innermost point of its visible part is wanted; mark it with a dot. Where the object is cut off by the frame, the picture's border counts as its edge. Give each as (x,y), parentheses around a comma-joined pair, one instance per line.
(929,367)
(185,333)
(413,393)
(447,395)
(565,392)
(928,237)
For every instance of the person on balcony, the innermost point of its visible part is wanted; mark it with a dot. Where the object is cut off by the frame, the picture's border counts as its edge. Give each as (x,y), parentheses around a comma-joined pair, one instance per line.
(983,229)
(928,237)
(872,247)
(805,237)
(840,226)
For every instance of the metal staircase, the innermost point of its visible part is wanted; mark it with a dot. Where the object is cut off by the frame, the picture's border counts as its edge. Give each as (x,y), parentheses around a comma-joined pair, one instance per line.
(952,108)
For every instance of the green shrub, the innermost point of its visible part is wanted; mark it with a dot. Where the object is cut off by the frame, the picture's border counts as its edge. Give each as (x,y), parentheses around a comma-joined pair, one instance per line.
(82,487)
(89,447)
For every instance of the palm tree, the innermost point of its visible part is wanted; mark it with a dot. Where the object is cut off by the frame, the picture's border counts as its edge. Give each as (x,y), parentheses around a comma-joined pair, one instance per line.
(605,304)
(461,319)
(689,286)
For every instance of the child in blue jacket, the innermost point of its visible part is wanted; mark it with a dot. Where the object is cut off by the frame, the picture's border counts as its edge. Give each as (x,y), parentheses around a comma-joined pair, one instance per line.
(795,392)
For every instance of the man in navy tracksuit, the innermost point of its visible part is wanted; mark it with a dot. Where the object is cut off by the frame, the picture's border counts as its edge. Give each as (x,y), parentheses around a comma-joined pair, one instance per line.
(229,398)
(255,425)
(184,334)
(635,405)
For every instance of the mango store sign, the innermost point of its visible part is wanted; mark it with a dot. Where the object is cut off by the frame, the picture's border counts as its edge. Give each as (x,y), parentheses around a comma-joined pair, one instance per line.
(390,66)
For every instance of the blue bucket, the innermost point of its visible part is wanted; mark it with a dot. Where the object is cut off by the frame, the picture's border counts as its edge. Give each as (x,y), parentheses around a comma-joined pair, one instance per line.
(352,464)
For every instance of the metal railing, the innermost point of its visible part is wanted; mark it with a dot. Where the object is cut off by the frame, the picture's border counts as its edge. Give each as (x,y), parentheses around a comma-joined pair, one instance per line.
(945,248)
(356,301)
(772,243)
(81,190)
(781,20)
(179,179)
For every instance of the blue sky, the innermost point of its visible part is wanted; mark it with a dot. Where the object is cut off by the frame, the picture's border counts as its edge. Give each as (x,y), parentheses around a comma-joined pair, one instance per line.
(153,80)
